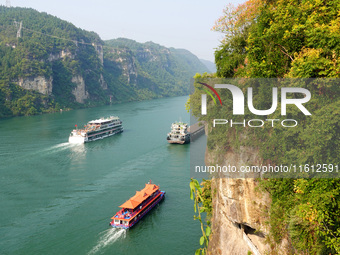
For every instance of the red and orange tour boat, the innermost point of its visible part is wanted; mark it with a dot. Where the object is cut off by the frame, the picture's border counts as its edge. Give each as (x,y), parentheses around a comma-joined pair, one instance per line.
(137,206)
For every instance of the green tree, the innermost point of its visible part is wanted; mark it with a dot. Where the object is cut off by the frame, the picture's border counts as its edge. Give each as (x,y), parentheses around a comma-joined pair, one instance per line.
(290,39)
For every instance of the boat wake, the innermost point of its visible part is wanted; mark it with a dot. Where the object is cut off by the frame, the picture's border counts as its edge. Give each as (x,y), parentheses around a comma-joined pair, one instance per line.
(108,237)
(51,149)
(59,147)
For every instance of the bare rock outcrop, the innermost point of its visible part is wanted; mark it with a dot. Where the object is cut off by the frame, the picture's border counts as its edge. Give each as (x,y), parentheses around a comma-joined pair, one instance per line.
(38,83)
(80,91)
(240,211)
(61,55)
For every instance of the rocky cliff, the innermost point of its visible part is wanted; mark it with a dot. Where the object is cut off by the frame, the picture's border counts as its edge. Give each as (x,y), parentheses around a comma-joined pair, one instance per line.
(240,209)
(79,92)
(58,65)
(38,83)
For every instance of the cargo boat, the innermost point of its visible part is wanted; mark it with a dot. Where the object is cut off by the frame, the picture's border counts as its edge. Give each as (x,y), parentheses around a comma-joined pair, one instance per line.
(179,133)
(137,206)
(96,129)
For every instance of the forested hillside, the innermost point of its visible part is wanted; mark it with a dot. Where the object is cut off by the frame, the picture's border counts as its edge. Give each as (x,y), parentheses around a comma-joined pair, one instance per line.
(50,64)
(149,68)
(287,39)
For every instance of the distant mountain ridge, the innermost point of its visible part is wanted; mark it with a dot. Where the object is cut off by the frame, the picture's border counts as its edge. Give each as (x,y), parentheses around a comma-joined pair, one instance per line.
(210,65)
(54,65)
(167,71)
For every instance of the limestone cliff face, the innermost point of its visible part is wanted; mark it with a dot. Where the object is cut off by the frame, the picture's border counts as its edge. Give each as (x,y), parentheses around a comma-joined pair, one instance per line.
(80,91)
(102,82)
(127,64)
(100,52)
(240,211)
(45,86)
(64,64)
(61,55)
(38,83)
(130,71)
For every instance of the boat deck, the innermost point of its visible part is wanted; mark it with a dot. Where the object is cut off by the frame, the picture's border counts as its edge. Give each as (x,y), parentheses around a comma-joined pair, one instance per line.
(133,217)
(124,214)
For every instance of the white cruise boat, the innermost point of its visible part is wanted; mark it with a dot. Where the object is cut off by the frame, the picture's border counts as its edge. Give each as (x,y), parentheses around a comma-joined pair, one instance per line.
(97,129)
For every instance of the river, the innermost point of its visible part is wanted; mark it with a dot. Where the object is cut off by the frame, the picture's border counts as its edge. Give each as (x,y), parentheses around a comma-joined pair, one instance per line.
(58,198)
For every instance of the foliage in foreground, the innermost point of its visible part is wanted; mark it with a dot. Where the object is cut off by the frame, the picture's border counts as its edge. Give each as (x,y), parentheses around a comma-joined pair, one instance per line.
(288,39)
(201,194)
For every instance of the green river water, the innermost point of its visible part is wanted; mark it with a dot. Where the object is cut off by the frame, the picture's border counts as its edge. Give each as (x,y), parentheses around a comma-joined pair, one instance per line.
(58,198)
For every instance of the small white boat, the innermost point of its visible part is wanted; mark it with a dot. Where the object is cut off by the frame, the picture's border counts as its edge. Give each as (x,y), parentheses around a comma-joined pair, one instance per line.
(179,133)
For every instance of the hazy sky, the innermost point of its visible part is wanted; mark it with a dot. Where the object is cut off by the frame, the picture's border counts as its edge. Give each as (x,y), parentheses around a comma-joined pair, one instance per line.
(173,23)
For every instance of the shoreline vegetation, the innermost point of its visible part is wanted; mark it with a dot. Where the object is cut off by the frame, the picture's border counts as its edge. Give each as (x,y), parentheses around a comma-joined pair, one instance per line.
(283,39)
(51,65)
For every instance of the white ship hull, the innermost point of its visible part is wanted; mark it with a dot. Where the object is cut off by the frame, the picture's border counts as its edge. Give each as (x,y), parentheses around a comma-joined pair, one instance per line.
(96,130)
(76,139)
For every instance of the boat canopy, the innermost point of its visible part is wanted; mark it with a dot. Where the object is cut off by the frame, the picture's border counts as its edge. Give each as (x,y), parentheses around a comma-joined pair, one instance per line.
(140,196)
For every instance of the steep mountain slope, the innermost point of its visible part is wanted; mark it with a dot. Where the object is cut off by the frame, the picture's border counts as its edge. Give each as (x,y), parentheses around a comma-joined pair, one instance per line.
(149,69)
(210,65)
(51,64)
